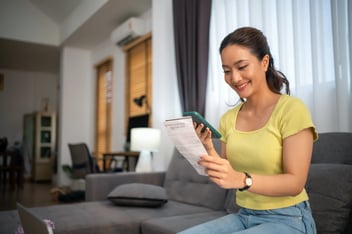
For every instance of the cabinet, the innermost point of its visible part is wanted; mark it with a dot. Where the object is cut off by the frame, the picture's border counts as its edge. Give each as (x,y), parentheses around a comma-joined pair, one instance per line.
(40,138)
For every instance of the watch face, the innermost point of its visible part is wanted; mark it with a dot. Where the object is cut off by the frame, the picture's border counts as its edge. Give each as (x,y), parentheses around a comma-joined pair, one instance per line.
(248,181)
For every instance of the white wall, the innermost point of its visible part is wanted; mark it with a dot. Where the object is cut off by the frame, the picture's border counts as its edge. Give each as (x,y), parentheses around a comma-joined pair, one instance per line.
(77,97)
(20,20)
(164,80)
(24,93)
(76,117)
(77,89)
(79,15)
(108,49)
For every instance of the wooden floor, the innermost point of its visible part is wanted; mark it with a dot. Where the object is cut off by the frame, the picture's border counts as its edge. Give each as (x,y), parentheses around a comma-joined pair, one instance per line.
(32,194)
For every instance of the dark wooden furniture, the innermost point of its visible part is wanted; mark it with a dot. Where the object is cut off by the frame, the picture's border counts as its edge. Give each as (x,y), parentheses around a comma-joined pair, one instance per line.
(108,156)
(11,170)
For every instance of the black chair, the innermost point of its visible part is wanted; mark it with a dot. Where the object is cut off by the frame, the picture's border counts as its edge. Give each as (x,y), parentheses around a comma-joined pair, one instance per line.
(83,163)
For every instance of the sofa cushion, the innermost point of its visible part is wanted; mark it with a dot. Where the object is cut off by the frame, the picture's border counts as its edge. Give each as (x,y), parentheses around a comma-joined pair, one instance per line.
(99,217)
(330,191)
(184,184)
(137,194)
(230,202)
(333,147)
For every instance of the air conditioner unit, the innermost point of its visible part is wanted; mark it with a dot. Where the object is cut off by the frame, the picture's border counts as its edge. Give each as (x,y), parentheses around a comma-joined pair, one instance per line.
(127,31)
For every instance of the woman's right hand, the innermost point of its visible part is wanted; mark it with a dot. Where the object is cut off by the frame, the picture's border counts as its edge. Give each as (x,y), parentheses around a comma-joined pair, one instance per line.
(221,172)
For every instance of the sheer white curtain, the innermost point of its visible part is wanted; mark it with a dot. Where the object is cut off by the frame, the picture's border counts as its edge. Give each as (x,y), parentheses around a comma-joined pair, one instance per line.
(309,41)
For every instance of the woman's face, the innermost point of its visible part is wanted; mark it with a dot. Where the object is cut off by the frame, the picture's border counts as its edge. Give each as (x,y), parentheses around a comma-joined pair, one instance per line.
(244,73)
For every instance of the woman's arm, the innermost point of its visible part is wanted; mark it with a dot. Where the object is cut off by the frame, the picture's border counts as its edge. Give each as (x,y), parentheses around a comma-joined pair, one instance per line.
(297,151)
(297,154)
(217,166)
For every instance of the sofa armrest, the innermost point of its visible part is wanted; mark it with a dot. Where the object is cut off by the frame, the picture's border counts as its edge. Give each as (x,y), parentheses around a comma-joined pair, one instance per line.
(98,186)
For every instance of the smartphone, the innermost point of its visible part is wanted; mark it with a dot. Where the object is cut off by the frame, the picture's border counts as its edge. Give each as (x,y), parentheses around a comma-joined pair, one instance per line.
(198,118)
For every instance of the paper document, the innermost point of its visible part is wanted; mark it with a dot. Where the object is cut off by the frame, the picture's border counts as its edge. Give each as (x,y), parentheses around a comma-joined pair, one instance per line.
(182,133)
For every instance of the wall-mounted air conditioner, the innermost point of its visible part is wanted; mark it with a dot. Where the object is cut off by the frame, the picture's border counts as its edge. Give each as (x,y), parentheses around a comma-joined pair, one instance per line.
(127,31)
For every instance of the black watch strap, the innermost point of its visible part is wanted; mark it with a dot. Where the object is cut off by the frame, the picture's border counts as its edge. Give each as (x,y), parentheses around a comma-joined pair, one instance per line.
(247,182)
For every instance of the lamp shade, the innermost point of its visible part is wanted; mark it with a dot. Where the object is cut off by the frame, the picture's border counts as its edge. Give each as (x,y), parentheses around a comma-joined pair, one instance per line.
(145,139)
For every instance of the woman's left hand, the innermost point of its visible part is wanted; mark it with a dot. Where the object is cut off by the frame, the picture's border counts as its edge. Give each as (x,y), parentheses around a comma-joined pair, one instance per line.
(205,137)
(221,172)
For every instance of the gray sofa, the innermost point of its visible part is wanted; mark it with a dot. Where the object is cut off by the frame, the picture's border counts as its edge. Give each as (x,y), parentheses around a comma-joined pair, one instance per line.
(192,199)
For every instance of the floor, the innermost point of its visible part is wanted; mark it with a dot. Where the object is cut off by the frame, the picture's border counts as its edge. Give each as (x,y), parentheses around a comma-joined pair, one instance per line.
(32,194)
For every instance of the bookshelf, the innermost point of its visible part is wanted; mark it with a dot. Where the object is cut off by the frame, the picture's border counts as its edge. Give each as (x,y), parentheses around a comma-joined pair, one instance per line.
(40,136)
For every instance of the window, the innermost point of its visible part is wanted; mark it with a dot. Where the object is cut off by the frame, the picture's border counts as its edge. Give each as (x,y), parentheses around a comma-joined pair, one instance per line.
(103,109)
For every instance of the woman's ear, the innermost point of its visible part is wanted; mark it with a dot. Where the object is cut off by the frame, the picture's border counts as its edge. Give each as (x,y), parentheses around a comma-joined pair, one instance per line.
(265,62)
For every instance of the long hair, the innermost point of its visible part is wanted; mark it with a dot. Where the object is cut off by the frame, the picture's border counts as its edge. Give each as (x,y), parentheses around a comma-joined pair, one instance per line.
(254,40)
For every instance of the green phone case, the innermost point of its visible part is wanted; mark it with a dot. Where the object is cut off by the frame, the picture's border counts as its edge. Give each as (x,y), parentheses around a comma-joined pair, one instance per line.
(198,118)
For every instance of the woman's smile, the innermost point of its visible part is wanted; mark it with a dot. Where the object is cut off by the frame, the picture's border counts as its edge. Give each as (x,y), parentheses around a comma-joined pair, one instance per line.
(242,86)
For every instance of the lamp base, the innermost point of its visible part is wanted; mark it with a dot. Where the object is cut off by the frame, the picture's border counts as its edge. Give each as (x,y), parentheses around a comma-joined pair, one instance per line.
(144,163)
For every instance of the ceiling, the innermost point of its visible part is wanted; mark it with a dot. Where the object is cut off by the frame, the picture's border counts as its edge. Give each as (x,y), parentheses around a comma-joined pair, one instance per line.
(56,10)
(21,55)
(103,22)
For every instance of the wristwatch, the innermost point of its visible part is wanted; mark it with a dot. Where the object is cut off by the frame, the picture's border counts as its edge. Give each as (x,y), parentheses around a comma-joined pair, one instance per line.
(247,181)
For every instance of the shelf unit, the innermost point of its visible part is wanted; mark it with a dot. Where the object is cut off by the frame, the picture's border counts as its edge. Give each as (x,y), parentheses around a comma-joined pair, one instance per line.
(40,135)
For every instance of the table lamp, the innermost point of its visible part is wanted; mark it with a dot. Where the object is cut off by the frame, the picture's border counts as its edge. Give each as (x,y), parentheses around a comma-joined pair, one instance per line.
(145,140)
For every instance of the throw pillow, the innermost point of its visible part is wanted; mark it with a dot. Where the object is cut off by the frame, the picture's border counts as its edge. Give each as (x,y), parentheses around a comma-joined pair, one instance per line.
(330,193)
(137,194)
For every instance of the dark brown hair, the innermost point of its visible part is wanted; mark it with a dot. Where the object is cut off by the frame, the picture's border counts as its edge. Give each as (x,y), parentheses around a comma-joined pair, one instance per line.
(256,42)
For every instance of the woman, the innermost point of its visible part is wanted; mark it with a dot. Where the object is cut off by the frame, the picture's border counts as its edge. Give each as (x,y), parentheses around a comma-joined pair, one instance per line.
(266,144)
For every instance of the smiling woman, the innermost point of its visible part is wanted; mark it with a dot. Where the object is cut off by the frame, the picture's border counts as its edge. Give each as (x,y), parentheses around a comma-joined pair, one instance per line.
(266,147)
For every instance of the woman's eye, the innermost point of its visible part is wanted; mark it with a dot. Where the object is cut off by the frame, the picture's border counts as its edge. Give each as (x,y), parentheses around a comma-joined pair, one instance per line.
(242,67)
(227,71)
